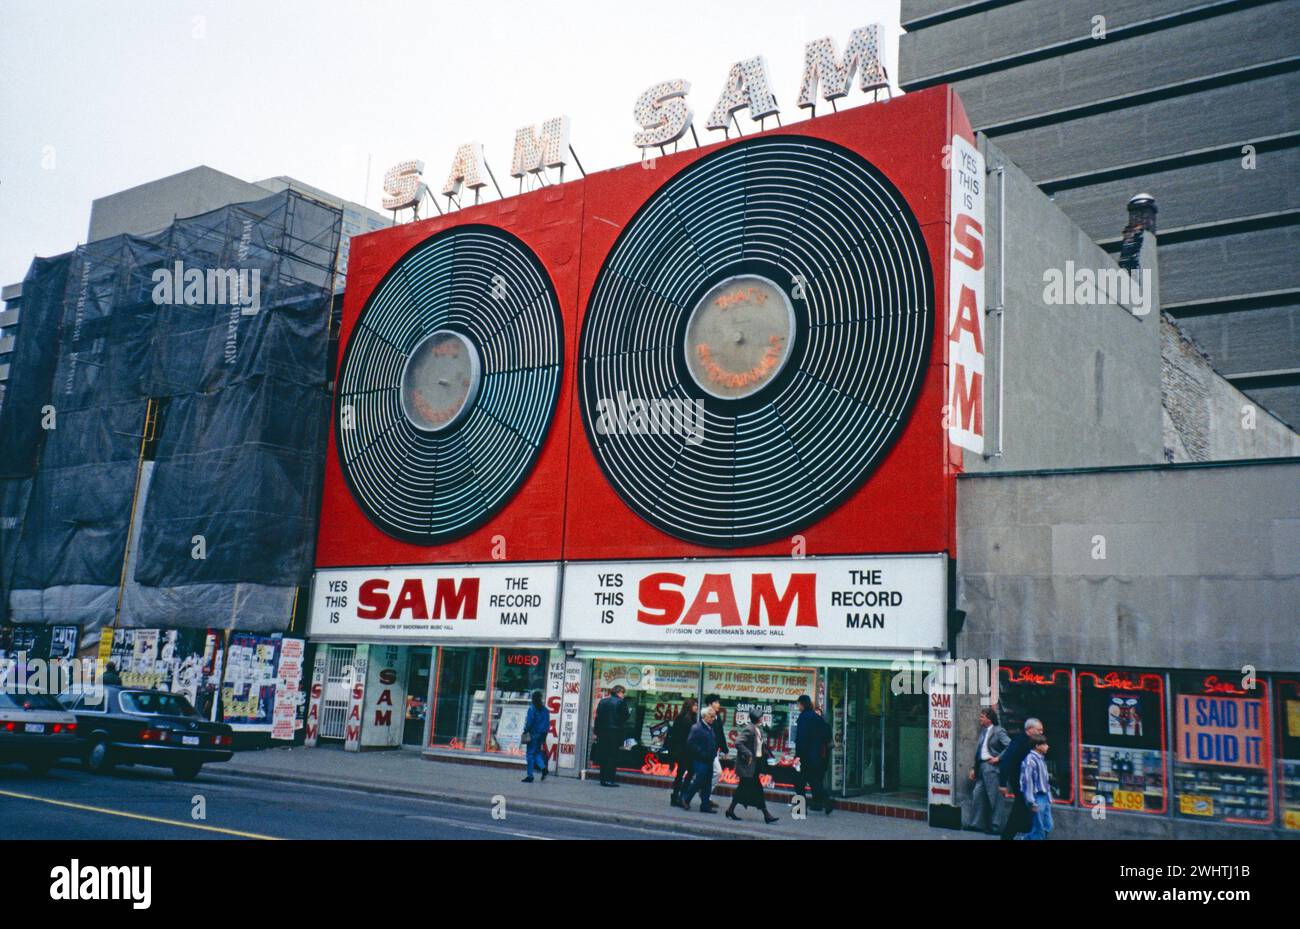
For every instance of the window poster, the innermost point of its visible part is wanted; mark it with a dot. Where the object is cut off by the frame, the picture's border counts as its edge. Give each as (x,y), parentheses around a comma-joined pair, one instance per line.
(1122,742)
(1223,765)
(1039,691)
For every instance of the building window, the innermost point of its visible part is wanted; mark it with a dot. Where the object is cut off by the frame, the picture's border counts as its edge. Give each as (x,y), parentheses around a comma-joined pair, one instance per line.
(655,691)
(518,672)
(769,693)
(1042,692)
(460,703)
(1122,742)
(1288,750)
(1223,764)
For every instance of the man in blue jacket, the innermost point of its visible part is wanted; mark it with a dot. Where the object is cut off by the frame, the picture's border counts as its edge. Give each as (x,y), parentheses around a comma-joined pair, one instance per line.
(812,746)
(703,745)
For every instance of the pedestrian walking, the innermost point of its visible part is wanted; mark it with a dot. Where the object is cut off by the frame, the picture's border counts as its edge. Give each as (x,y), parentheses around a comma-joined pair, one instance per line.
(1035,787)
(679,750)
(537,726)
(751,762)
(812,744)
(1018,818)
(983,775)
(704,752)
(111,676)
(611,724)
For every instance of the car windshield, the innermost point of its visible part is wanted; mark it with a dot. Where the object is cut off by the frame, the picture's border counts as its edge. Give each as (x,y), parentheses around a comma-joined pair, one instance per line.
(28,701)
(155,703)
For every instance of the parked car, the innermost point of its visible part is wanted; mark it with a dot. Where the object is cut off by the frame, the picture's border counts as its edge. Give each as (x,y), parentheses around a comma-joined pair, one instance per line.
(35,729)
(129,725)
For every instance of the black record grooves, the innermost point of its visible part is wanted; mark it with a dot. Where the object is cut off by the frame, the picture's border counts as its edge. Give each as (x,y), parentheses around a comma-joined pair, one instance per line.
(479,297)
(830,231)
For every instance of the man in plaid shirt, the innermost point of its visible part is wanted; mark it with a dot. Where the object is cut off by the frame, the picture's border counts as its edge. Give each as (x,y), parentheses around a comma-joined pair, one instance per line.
(1035,788)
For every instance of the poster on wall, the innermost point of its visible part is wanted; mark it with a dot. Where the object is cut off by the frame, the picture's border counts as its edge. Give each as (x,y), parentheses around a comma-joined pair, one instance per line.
(1122,742)
(182,661)
(774,691)
(253,686)
(1223,762)
(1042,692)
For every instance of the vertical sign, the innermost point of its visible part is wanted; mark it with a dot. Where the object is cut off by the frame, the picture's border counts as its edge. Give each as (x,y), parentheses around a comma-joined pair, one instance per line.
(356,699)
(555,703)
(941,745)
(965,402)
(569,713)
(314,696)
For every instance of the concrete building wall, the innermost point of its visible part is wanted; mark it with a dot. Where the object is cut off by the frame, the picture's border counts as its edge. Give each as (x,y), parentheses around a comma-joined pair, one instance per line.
(1205,417)
(1200,566)
(1082,382)
(154,205)
(1192,101)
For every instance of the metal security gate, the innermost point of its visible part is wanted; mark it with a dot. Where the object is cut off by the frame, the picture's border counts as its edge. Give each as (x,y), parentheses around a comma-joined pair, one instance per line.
(338,684)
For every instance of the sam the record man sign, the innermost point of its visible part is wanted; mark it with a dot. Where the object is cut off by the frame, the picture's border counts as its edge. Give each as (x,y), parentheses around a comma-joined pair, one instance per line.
(516,602)
(880,602)
(966,303)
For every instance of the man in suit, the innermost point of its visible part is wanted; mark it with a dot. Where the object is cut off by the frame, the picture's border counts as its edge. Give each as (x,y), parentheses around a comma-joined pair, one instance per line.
(611,725)
(812,745)
(1019,819)
(984,773)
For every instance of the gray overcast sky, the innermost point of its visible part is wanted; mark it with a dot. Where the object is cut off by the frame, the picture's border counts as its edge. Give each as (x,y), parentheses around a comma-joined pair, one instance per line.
(100,95)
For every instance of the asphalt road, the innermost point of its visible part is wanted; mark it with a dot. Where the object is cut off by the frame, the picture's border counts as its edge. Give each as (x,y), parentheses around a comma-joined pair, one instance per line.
(146,803)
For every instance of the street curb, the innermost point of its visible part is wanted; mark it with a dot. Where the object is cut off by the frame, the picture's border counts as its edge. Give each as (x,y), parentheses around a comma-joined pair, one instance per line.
(584,813)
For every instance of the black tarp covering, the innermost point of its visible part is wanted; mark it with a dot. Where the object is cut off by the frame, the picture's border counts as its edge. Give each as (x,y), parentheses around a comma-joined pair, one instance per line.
(32,367)
(241,409)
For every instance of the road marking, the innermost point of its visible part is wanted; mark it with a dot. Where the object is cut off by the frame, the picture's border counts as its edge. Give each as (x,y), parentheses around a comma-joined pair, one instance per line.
(151,819)
(464,825)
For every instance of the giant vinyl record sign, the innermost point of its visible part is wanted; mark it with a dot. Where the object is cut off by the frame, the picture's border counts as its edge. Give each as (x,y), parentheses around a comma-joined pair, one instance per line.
(761,365)
(451,410)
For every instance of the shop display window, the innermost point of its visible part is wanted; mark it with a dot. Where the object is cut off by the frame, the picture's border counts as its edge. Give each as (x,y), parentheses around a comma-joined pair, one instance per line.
(655,691)
(770,694)
(1288,750)
(516,674)
(1038,691)
(1223,764)
(1122,743)
(460,698)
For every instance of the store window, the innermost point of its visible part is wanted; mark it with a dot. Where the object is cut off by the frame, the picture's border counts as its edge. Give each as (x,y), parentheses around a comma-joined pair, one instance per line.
(770,694)
(460,698)
(517,673)
(1040,692)
(1288,750)
(1223,762)
(655,691)
(1122,742)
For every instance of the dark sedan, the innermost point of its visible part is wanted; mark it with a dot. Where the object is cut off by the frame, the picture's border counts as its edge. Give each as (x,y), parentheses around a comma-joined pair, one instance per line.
(125,725)
(35,730)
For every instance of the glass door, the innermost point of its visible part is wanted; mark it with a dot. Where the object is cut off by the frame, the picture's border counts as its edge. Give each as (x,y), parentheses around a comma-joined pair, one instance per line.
(417,695)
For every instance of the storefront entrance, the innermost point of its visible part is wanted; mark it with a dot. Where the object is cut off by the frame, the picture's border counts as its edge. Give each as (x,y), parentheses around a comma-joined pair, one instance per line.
(416,712)
(339,677)
(481,697)
(881,741)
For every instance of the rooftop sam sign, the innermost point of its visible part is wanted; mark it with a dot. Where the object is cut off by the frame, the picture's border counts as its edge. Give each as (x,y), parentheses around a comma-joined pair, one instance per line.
(663,116)
(490,602)
(858,603)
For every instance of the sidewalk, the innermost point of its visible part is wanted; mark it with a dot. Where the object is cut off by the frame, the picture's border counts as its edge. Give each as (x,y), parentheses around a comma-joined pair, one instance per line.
(407,773)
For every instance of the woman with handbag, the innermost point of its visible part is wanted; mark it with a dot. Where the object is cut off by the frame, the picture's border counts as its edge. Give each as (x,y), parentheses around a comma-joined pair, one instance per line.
(752,753)
(679,751)
(537,725)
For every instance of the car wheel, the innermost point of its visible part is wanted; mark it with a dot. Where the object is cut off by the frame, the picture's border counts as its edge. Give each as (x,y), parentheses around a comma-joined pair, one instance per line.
(99,757)
(187,772)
